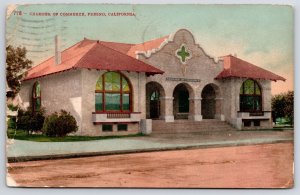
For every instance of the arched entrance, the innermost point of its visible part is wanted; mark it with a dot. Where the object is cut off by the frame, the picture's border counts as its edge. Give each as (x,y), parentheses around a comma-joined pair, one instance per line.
(154,91)
(209,107)
(181,103)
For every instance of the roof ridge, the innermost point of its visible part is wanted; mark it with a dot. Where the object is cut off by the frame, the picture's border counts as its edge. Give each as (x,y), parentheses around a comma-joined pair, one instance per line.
(75,65)
(131,43)
(115,42)
(95,41)
(127,55)
(102,45)
(256,66)
(239,68)
(52,56)
(153,40)
(230,69)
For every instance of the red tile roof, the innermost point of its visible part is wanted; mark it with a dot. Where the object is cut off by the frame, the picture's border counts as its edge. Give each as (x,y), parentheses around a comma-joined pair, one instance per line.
(99,55)
(235,67)
(146,46)
(132,49)
(113,60)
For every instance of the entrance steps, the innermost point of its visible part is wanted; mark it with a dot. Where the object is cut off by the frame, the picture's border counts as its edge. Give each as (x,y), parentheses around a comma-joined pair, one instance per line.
(187,126)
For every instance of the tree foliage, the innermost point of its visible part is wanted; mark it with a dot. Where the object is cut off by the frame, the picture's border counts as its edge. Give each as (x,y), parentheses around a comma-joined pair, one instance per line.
(30,121)
(16,66)
(289,106)
(283,106)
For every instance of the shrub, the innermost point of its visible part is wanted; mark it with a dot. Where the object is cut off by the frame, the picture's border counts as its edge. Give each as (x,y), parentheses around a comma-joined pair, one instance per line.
(24,120)
(30,122)
(11,123)
(37,120)
(59,124)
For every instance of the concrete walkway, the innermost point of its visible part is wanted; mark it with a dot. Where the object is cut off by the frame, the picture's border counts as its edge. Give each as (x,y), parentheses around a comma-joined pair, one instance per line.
(19,150)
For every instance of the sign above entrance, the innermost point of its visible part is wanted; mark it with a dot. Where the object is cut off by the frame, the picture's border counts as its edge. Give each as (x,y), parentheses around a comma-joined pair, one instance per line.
(182,79)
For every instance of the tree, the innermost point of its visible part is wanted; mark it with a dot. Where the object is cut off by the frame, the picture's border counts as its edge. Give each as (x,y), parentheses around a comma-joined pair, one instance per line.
(283,106)
(277,106)
(289,106)
(16,66)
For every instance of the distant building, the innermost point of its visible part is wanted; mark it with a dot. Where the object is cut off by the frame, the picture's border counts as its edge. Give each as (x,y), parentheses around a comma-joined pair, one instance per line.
(111,87)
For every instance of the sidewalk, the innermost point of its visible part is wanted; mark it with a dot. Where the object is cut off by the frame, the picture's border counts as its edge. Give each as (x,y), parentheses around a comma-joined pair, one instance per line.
(19,150)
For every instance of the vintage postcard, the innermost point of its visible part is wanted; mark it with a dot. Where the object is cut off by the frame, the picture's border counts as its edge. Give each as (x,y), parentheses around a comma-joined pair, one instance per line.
(150,96)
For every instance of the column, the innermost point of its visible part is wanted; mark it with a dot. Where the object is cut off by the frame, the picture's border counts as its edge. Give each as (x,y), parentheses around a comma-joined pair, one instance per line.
(195,109)
(167,109)
(219,109)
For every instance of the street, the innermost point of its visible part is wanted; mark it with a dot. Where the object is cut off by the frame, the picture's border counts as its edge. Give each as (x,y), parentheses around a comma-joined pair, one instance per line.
(252,166)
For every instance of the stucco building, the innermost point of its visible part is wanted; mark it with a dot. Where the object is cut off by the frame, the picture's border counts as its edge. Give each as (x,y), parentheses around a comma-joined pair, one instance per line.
(112,88)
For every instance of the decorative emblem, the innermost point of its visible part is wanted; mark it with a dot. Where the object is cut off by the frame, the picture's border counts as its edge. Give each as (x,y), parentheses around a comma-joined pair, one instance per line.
(183,54)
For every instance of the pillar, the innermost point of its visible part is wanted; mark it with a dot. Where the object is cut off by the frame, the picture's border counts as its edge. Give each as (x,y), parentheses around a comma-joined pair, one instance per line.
(219,109)
(167,109)
(195,109)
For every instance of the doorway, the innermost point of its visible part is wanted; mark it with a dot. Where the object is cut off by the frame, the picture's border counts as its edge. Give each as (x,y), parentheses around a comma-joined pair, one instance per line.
(181,103)
(154,92)
(208,103)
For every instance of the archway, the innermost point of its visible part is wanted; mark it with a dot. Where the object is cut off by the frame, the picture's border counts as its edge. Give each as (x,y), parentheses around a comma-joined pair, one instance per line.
(210,108)
(154,105)
(181,103)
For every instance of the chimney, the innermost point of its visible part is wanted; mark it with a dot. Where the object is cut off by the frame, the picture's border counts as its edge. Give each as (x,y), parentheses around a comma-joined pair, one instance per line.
(57,54)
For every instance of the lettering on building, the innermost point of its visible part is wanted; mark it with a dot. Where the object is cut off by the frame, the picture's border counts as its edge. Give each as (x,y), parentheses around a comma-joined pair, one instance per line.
(182,79)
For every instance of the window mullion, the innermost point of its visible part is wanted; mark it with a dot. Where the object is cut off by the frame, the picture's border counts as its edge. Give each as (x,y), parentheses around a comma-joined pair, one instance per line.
(116,94)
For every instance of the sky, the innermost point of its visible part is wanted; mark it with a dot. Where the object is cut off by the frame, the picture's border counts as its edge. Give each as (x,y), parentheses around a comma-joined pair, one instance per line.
(260,34)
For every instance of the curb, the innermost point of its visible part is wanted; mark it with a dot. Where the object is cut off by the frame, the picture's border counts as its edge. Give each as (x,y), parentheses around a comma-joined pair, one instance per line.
(105,153)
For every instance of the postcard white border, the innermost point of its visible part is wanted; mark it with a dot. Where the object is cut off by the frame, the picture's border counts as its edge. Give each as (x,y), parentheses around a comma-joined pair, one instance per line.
(5,190)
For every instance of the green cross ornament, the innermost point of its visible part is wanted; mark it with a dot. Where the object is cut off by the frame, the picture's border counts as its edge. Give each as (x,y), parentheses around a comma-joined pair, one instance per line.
(183,54)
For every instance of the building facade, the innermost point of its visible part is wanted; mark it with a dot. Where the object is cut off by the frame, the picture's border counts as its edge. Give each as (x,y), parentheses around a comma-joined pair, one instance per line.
(113,88)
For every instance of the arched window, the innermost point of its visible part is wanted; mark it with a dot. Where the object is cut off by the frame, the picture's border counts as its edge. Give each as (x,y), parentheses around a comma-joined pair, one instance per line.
(113,93)
(250,96)
(36,96)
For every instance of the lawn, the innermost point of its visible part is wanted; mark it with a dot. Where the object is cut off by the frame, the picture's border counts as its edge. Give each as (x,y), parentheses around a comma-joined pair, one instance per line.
(22,135)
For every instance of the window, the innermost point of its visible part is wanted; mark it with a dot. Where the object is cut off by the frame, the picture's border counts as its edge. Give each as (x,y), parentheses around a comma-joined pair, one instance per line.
(113,93)
(107,128)
(36,96)
(250,96)
(247,123)
(122,127)
(256,123)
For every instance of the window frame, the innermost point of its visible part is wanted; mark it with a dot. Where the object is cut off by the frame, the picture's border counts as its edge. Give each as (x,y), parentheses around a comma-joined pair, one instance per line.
(34,97)
(120,92)
(254,95)
(106,129)
(122,125)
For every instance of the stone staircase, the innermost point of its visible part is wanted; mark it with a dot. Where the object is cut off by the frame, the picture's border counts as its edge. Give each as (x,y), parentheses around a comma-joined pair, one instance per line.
(187,126)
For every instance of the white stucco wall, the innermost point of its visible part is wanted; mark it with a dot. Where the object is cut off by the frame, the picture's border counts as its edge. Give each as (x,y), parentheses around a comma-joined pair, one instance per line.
(58,91)
(200,66)
(89,79)
(231,88)
(74,91)
(203,67)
